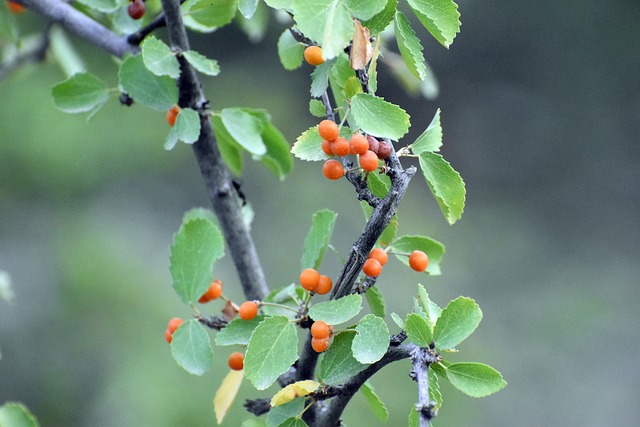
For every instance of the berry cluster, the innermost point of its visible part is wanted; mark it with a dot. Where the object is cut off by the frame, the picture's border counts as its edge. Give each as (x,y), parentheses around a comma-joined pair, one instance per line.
(418,261)
(321,334)
(315,282)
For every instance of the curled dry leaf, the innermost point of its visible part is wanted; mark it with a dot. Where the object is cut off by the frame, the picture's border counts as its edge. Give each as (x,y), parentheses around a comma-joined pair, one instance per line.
(361,49)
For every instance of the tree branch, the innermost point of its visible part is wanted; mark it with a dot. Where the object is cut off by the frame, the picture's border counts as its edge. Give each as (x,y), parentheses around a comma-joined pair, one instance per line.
(421,359)
(77,22)
(224,197)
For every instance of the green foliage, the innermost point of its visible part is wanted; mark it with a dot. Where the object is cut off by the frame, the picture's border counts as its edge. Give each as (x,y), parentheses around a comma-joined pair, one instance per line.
(337,364)
(419,330)
(445,183)
(191,347)
(378,117)
(272,349)
(434,389)
(371,340)
(201,63)
(287,296)
(457,321)
(237,331)
(316,108)
(105,6)
(440,17)
(376,301)
(80,93)
(14,414)
(404,245)
(158,58)
(245,129)
(318,238)
(320,78)
(281,413)
(475,379)
(409,46)
(293,422)
(381,20)
(208,15)
(431,309)
(247,7)
(308,145)
(337,311)
(185,129)
(157,92)
(377,406)
(290,51)
(431,138)
(196,246)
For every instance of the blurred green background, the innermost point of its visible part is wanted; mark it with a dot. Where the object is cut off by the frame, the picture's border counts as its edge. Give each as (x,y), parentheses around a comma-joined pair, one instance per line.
(541,114)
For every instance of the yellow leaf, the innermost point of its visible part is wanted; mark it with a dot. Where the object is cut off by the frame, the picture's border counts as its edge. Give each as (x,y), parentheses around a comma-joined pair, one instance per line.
(290,392)
(226,394)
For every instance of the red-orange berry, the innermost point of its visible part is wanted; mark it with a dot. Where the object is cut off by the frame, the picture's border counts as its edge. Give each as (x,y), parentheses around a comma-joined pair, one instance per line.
(248,310)
(369,161)
(168,336)
(380,255)
(320,344)
(358,144)
(136,9)
(333,169)
(372,267)
(310,278)
(340,147)
(214,292)
(174,324)
(320,329)
(172,114)
(313,55)
(236,361)
(326,147)
(419,261)
(324,285)
(328,129)
(15,8)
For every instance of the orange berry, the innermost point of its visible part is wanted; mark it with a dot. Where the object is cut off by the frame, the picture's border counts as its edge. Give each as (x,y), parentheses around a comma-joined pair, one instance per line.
(372,267)
(326,147)
(310,278)
(324,285)
(214,292)
(248,310)
(136,9)
(236,361)
(174,324)
(358,144)
(320,330)
(340,147)
(15,8)
(328,129)
(172,114)
(333,169)
(168,336)
(313,55)
(369,161)
(380,255)
(418,260)
(320,344)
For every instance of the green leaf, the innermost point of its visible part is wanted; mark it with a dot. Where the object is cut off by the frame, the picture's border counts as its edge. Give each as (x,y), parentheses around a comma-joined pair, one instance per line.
(419,330)
(365,9)
(320,79)
(186,129)
(272,349)
(434,389)
(318,238)
(191,347)
(279,4)
(431,138)
(475,379)
(157,92)
(440,17)
(14,414)
(431,309)
(308,146)
(316,108)
(253,422)
(338,30)
(293,422)
(414,418)
(278,158)
(80,93)
(409,46)
(290,51)
(340,73)
(201,63)
(408,244)
(276,416)
(256,27)
(376,301)
(458,320)
(105,6)
(158,58)
(65,54)
(247,7)
(337,311)
(378,117)
(245,129)
(398,320)
(380,21)
(377,406)
(230,150)
(352,87)
(207,15)
(237,331)
(283,296)
(337,364)
(196,246)
(372,339)
(445,184)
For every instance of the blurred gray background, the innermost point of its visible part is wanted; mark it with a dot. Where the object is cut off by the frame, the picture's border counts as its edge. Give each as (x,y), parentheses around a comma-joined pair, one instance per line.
(541,114)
